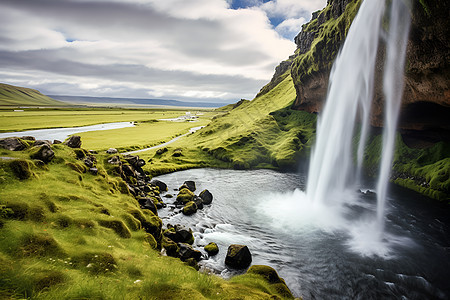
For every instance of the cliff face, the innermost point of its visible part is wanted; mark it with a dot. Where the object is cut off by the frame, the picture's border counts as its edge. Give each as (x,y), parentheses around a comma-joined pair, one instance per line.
(426,100)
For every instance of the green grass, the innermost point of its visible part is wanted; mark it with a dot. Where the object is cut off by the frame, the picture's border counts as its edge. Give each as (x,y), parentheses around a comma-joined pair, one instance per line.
(71,235)
(18,96)
(143,135)
(53,118)
(426,171)
(263,133)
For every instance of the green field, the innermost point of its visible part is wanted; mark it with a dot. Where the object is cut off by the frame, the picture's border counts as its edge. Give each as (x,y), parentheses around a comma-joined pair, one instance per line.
(29,119)
(143,135)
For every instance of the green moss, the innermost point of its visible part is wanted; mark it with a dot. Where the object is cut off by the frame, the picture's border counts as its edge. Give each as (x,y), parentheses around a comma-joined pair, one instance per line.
(78,167)
(329,37)
(190,208)
(184,196)
(21,168)
(118,226)
(212,249)
(96,263)
(39,244)
(423,170)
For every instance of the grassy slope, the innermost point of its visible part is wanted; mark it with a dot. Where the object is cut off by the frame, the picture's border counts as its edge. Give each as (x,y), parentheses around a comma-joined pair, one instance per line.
(18,96)
(260,133)
(52,245)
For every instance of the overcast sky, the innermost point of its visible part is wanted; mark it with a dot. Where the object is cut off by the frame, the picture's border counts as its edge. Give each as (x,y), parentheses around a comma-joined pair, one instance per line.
(202,50)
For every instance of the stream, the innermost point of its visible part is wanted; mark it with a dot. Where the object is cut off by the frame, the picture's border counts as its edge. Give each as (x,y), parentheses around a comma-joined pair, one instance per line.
(320,260)
(63,133)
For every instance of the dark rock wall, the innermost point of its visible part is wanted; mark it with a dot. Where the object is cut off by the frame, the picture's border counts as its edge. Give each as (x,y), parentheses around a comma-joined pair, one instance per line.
(426,101)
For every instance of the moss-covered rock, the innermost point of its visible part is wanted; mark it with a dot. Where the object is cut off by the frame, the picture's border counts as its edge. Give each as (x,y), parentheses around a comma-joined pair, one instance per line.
(271,276)
(43,152)
(206,196)
(170,246)
(212,249)
(190,208)
(184,196)
(21,168)
(238,257)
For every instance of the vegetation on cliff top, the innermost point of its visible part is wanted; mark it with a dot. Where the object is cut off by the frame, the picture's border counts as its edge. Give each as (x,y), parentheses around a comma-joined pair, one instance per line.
(67,234)
(328,38)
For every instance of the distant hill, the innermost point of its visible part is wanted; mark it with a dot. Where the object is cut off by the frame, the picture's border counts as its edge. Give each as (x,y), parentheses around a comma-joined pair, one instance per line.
(19,96)
(131,102)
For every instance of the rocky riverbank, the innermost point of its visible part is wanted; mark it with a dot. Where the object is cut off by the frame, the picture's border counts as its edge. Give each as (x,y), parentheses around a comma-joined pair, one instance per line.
(107,196)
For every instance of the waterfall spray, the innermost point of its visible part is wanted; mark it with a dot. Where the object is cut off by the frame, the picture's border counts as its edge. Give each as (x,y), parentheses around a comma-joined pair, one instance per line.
(332,172)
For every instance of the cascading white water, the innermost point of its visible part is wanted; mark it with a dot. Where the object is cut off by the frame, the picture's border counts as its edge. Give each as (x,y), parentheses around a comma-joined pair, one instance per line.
(393,90)
(332,172)
(350,88)
(330,202)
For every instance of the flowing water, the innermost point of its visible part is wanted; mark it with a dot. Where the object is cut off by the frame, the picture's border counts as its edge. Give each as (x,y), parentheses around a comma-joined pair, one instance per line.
(319,255)
(331,179)
(63,133)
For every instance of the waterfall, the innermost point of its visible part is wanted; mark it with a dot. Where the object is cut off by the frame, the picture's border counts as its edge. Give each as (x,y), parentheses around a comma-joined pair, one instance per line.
(333,175)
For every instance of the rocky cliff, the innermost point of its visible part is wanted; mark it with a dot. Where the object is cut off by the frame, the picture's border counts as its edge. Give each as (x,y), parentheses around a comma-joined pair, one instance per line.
(426,100)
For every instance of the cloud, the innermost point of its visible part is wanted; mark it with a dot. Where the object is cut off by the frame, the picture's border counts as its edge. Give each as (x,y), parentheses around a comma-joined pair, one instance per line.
(139,48)
(290,27)
(292,8)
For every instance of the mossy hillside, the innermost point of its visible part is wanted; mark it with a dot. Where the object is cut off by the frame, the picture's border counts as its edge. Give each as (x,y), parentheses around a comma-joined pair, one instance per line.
(19,96)
(71,235)
(328,39)
(426,171)
(263,133)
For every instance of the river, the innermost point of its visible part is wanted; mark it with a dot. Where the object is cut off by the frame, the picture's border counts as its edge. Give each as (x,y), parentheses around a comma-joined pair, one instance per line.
(317,259)
(63,133)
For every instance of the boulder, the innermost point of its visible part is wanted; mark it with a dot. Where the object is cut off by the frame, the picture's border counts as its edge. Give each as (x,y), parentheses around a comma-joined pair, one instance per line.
(170,246)
(112,151)
(238,257)
(44,153)
(199,202)
(21,168)
(271,276)
(161,150)
(135,161)
(189,184)
(212,249)
(190,208)
(128,170)
(28,138)
(186,252)
(115,160)
(206,196)
(93,171)
(179,234)
(184,196)
(42,142)
(74,141)
(89,161)
(147,203)
(12,144)
(57,142)
(162,186)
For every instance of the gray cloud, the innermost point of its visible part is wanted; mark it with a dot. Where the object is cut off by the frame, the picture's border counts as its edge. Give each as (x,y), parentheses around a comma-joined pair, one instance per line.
(138,48)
